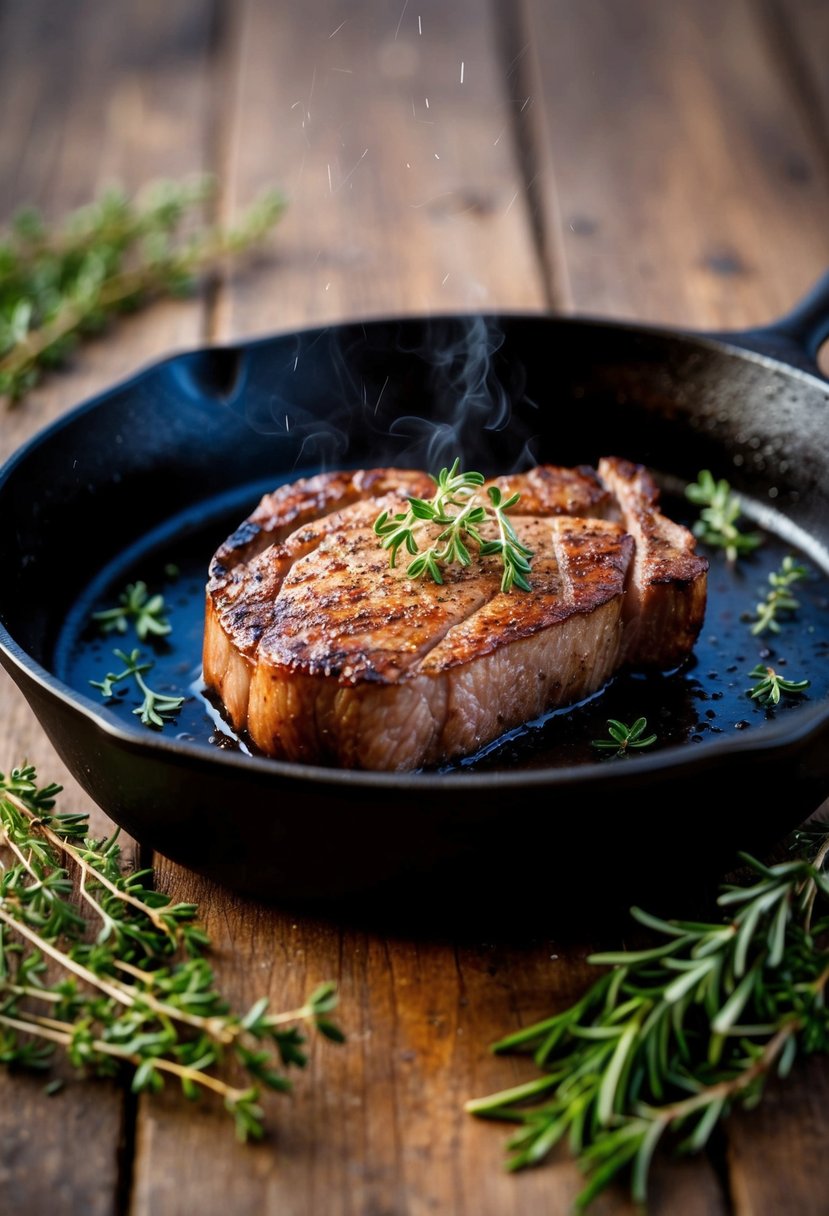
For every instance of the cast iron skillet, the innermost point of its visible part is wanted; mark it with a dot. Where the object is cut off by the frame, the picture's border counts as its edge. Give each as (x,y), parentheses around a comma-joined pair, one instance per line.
(194,440)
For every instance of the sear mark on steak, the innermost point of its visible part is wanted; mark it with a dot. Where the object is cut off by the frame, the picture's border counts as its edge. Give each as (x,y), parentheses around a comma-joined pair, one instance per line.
(323,654)
(665,601)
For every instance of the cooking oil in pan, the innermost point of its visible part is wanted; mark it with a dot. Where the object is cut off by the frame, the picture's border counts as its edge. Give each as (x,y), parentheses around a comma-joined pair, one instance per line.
(707,698)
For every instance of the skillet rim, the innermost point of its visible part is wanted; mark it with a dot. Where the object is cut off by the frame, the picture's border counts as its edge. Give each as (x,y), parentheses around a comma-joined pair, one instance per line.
(797,730)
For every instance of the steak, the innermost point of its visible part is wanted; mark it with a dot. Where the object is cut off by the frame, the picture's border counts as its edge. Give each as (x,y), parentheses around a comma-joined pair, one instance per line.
(322,652)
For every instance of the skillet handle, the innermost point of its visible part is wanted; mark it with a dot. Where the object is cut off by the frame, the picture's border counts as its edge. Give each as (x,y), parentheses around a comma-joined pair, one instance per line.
(797,336)
(808,322)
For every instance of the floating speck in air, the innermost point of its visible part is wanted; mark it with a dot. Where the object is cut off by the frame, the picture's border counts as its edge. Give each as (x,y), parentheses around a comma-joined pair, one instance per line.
(352,171)
(327,285)
(408,166)
(400,22)
(445,277)
(296,361)
(436,156)
(337,30)
(512,200)
(461,71)
(287,424)
(330,186)
(420,25)
(526,103)
(426,99)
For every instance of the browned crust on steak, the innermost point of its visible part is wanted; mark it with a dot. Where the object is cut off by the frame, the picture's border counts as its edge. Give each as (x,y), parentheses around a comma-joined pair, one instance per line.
(426,719)
(551,490)
(291,506)
(667,589)
(324,653)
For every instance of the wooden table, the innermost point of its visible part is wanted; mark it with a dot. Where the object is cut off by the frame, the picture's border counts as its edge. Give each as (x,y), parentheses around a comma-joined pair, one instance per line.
(664,162)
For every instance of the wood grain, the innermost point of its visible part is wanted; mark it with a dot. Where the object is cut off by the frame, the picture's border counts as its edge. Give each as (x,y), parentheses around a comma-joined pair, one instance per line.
(686,182)
(102,96)
(797,36)
(404,194)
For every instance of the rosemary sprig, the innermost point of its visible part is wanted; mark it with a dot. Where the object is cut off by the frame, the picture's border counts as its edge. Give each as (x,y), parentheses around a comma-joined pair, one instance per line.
(157,707)
(674,1036)
(459,511)
(771,685)
(57,284)
(779,598)
(146,612)
(134,989)
(624,738)
(717,523)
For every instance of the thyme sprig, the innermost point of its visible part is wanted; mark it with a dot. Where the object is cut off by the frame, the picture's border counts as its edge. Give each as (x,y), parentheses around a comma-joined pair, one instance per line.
(717,523)
(673,1036)
(133,989)
(459,510)
(136,606)
(770,686)
(624,739)
(58,283)
(156,707)
(779,598)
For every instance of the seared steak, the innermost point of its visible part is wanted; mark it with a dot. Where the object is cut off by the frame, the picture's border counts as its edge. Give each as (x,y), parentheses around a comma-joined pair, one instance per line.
(665,600)
(323,653)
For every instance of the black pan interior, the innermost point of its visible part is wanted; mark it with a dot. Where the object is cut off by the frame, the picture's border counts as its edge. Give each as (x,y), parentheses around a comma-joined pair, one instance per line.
(705,700)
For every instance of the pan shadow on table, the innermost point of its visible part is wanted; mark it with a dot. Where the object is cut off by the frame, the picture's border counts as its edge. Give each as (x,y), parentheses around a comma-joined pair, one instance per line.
(575,895)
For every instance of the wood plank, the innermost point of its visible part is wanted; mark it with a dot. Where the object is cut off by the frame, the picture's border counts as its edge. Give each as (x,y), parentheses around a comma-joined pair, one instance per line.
(788,1131)
(777,1153)
(389,130)
(798,34)
(110,95)
(107,99)
(688,185)
(379,1124)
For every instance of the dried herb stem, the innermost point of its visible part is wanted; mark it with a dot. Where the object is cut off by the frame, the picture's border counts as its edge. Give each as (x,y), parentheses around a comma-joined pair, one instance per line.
(62,1034)
(133,984)
(59,284)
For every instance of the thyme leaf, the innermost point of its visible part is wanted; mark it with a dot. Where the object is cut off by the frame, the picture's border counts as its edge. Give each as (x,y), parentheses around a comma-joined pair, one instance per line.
(133,987)
(60,283)
(624,738)
(771,685)
(135,605)
(156,707)
(458,510)
(717,523)
(779,598)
